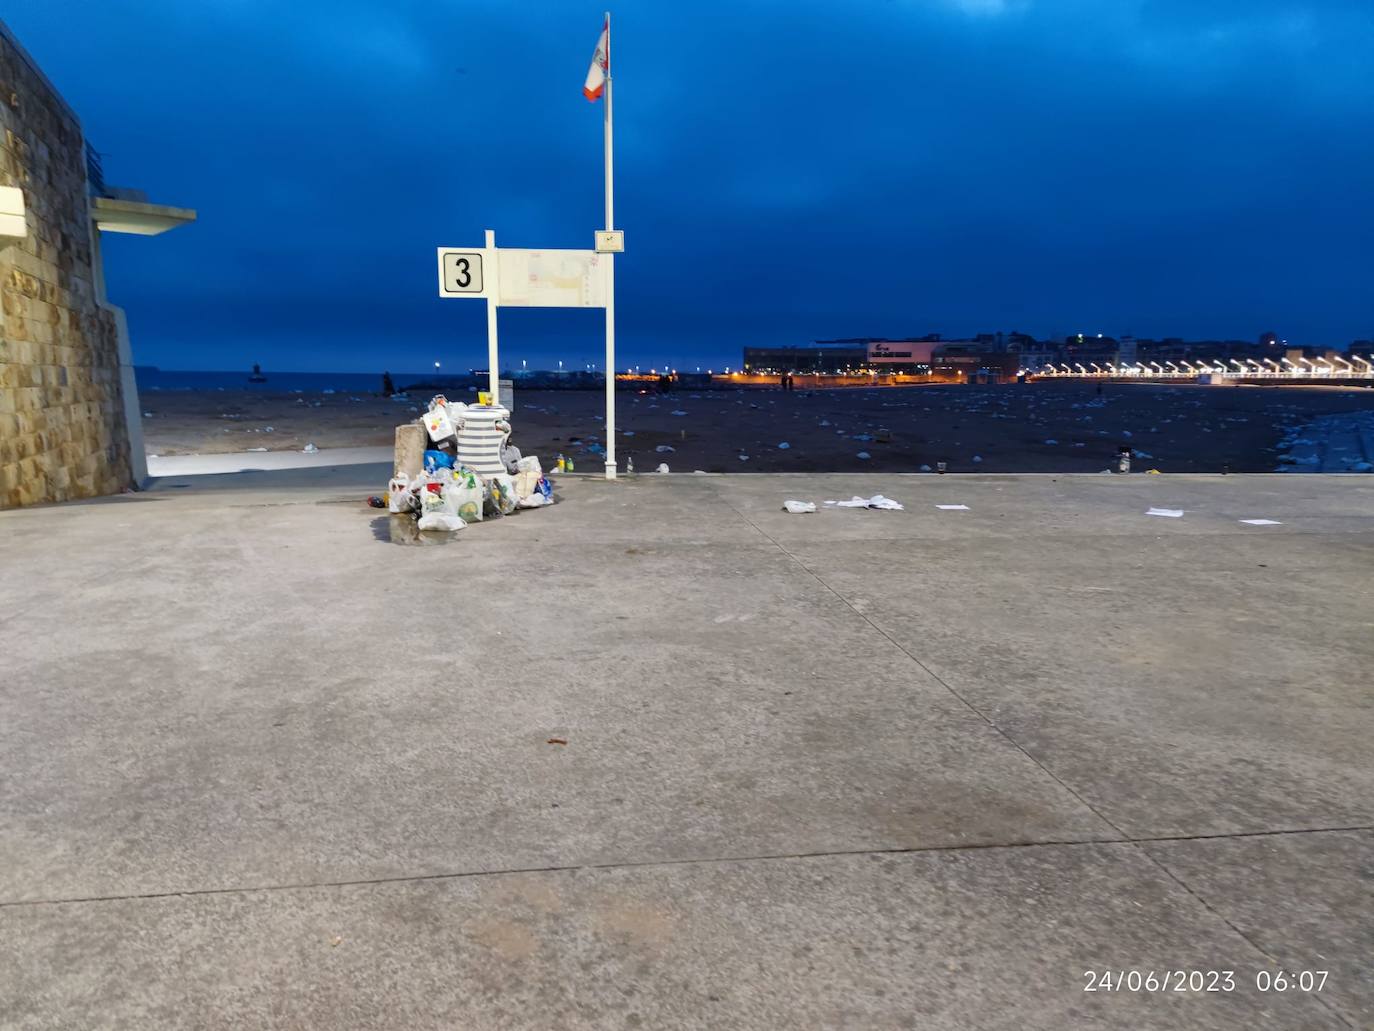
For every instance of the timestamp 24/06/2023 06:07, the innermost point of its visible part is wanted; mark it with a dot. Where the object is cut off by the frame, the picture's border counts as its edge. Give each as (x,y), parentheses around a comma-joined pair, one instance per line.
(1201,980)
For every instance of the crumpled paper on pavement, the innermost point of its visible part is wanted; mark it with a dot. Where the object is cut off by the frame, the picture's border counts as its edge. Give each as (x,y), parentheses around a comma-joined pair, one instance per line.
(876,501)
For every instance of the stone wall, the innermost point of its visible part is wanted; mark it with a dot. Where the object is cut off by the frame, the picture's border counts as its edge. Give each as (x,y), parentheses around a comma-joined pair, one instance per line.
(62,425)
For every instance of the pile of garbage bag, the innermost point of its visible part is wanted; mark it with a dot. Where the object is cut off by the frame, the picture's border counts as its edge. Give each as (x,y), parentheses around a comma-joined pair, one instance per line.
(448,495)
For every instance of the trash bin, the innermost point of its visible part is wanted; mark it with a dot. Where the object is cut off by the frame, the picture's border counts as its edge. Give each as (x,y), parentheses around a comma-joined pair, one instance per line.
(485,428)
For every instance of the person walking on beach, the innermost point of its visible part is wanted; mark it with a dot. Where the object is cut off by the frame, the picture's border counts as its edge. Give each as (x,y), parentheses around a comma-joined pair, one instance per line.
(388,387)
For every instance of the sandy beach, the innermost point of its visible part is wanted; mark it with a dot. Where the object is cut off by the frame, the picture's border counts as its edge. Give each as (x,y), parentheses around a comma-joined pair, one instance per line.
(1037,427)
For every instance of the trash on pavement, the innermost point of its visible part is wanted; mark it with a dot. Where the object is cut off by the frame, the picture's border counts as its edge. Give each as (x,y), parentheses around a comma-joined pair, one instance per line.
(1172,513)
(876,501)
(471,472)
(799,507)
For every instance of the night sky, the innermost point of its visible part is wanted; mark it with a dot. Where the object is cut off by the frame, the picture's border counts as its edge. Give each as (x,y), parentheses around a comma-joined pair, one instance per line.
(785,171)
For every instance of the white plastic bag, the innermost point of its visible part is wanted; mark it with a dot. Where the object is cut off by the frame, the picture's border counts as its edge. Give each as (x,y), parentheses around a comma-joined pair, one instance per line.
(799,507)
(501,499)
(398,493)
(441,521)
(527,479)
(438,424)
(465,495)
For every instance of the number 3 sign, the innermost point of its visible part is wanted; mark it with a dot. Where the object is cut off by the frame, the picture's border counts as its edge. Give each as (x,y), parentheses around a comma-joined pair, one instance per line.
(461,272)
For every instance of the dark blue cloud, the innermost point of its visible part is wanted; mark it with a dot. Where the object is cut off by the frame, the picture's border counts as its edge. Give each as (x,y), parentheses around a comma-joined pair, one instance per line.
(784,170)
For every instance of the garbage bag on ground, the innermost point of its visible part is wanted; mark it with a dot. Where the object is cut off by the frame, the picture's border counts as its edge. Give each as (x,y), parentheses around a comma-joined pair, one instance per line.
(440,521)
(467,494)
(399,496)
(510,457)
(501,499)
(434,499)
(799,507)
(527,476)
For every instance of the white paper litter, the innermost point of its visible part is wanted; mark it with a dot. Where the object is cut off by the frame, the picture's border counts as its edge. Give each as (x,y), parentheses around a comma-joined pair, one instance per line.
(1262,522)
(876,501)
(953,508)
(799,507)
(1172,513)
(662,467)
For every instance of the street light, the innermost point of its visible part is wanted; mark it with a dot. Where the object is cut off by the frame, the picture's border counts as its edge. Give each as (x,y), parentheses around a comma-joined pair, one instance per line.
(1191,371)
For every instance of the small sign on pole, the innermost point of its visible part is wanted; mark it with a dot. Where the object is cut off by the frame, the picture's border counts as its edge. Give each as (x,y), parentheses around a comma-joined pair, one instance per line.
(460,272)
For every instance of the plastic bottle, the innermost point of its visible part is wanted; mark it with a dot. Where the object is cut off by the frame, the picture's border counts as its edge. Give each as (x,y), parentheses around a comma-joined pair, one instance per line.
(562,463)
(570,465)
(630,465)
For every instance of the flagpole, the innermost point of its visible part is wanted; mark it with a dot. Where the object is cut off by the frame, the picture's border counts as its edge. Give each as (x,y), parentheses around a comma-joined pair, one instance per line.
(610,275)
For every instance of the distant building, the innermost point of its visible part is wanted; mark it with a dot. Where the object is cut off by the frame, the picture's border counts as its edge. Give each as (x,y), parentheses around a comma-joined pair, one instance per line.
(829,356)
(901,355)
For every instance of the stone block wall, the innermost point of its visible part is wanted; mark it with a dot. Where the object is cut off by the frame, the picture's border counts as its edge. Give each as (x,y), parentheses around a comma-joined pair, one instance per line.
(62,428)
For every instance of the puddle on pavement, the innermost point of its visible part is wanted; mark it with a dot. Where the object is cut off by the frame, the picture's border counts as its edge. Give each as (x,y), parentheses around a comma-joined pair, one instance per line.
(405,529)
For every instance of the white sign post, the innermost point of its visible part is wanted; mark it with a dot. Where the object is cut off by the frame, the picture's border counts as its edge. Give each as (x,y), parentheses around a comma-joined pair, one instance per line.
(518,278)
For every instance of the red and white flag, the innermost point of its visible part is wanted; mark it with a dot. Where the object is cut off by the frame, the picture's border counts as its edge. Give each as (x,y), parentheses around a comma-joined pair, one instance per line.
(601,65)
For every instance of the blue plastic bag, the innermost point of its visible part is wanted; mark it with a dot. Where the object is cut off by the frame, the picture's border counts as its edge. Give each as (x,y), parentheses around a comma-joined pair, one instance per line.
(437,460)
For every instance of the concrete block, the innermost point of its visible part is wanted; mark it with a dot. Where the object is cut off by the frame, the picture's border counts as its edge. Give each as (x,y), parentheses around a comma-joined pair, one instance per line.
(410,449)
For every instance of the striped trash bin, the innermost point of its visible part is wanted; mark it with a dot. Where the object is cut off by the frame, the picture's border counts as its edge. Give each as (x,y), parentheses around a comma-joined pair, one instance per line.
(485,429)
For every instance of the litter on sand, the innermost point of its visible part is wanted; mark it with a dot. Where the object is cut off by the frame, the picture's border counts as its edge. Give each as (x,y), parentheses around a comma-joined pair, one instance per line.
(799,507)
(876,501)
(662,467)
(953,508)
(1172,513)
(1261,522)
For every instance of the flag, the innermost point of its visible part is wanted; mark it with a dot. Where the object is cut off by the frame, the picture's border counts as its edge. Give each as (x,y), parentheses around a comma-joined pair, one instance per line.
(601,65)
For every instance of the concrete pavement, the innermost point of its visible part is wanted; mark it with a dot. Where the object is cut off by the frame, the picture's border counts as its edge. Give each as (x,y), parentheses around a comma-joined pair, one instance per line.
(853,769)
